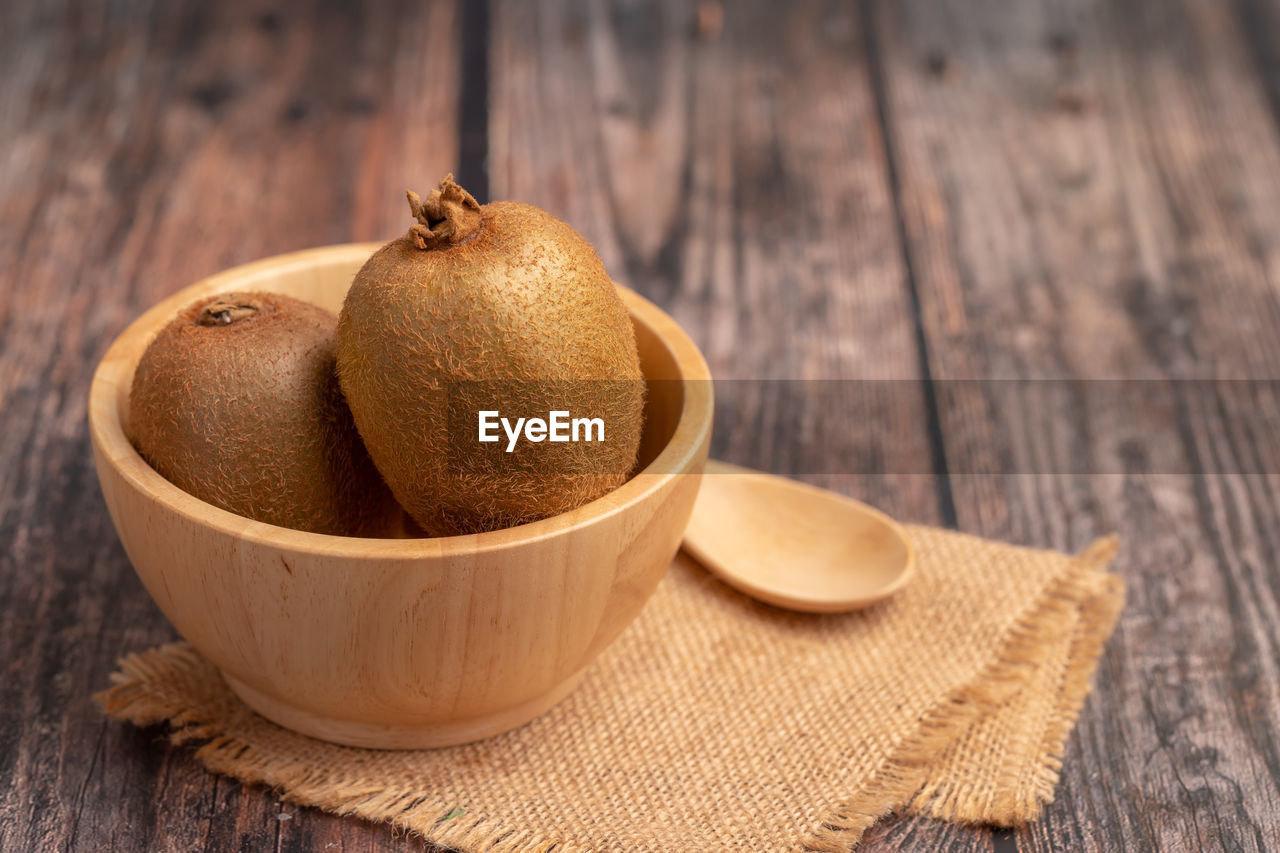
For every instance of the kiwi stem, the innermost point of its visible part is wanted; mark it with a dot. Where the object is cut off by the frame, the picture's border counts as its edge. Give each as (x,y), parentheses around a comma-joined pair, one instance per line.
(224,312)
(448,216)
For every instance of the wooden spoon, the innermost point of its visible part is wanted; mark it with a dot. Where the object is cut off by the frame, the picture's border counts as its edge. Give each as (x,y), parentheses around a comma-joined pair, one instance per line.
(793,545)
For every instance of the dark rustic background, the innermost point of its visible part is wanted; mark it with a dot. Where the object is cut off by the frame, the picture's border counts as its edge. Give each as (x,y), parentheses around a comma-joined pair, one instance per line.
(1019,189)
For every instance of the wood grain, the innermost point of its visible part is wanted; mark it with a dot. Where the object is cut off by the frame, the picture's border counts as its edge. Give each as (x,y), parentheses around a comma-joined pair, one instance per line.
(1083,197)
(1078,189)
(147,147)
(756,532)
(782,257)
(765,223)
(401,643)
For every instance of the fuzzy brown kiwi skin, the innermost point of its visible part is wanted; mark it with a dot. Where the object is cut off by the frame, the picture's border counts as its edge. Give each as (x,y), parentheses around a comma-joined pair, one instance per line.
(500,306)
(237,403)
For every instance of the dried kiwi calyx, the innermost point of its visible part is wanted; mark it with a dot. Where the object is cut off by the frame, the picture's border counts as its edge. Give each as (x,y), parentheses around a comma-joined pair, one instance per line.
(226,310)
(448,216)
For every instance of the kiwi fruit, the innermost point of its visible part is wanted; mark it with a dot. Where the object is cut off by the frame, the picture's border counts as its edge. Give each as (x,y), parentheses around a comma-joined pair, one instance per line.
(237,402)
(499,307)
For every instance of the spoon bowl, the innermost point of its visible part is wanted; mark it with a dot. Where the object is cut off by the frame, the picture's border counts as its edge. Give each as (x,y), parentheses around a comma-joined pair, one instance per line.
(794,545)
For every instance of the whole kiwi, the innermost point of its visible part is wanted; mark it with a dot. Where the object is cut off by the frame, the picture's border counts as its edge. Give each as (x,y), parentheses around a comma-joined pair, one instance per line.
(499,307)
(236,401)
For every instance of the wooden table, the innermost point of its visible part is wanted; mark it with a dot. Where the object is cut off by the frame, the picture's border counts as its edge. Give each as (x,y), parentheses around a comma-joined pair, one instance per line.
(1022,190)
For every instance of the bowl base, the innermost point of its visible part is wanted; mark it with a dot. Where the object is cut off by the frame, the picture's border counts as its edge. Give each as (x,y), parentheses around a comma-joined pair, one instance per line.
(400,736)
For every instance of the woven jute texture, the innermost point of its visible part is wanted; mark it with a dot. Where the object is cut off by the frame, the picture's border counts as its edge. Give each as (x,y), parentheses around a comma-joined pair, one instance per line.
(719,724)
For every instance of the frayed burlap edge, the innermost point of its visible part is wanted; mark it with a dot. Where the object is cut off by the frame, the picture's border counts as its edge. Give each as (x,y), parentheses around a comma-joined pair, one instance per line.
(133,698)
(1084,599)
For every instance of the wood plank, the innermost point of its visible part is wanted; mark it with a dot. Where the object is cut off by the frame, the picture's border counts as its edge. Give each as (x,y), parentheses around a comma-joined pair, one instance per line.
(1086,190)
(741,184)
(1087,194)
(147,147)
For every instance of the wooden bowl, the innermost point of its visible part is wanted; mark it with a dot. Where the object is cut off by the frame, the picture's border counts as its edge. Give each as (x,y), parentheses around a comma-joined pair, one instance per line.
(403,643)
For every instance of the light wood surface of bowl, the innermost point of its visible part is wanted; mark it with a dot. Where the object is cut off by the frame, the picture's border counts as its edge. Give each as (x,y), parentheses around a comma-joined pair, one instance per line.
(412,642)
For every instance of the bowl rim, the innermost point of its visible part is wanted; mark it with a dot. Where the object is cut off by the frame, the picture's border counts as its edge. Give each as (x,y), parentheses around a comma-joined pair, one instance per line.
(677,458)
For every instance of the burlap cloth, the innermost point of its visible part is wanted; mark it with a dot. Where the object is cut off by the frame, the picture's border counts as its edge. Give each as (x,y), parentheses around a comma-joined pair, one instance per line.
(719,724)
